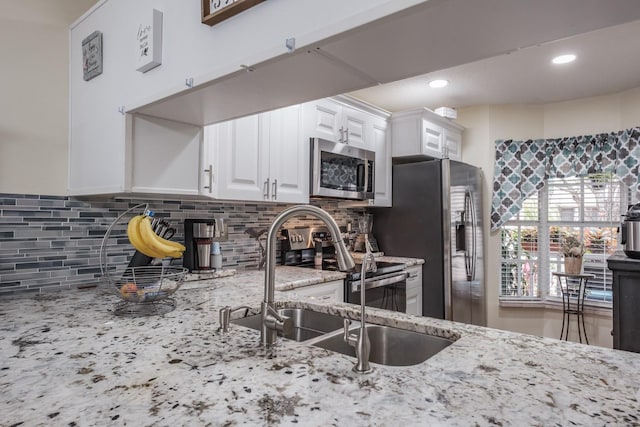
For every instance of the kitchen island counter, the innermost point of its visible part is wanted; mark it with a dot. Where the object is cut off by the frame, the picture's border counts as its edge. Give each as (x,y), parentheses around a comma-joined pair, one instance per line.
(68,360)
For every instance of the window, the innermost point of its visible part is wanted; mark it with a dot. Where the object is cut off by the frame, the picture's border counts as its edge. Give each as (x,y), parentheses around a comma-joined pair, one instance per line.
(588,208)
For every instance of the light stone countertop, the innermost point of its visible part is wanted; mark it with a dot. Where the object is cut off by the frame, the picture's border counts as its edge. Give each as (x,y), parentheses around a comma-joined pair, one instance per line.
(68,360)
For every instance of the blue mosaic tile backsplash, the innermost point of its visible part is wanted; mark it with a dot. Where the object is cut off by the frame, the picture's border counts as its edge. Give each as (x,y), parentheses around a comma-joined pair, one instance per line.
(53,242)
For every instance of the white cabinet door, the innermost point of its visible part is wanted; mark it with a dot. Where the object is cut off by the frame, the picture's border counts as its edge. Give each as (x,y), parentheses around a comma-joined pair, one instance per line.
(329,291)
(323,120)
(432,139)
(240,165)
(452,144)
(414,290)
(355,126)
(413,305)
(288,156)
(382,164)
(335,121)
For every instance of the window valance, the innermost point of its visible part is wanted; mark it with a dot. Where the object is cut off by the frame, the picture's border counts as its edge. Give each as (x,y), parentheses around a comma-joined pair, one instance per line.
(523,167)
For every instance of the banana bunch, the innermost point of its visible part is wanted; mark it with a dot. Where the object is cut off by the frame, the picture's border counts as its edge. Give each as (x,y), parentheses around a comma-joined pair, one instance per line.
(145,240)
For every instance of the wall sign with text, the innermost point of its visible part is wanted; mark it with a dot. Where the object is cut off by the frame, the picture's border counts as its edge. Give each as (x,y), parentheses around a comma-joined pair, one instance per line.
(92,56)
(149,42)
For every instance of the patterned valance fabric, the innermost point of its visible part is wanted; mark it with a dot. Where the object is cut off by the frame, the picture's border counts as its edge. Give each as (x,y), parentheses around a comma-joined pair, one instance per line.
(523,167)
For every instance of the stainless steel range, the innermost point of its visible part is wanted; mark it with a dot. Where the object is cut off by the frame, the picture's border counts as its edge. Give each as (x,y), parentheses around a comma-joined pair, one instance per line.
(385,288)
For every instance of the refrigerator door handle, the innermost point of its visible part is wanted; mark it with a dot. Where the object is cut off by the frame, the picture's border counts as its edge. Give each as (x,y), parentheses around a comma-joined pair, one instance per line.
(472,258)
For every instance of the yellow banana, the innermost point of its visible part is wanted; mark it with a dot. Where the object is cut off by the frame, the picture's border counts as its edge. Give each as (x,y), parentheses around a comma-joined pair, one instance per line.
(156,243)
(133,232)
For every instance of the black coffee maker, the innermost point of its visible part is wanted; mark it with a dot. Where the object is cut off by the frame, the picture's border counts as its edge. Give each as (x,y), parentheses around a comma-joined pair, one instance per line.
(198,236)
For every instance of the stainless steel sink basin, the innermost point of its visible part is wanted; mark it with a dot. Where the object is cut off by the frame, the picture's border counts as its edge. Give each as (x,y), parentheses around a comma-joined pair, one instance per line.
(307,324)
(390,346)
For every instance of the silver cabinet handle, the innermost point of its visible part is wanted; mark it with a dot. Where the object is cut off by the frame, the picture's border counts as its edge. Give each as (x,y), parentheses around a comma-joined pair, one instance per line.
(346,133)
(265,189)
(274,189)
(210,172)
(341,134)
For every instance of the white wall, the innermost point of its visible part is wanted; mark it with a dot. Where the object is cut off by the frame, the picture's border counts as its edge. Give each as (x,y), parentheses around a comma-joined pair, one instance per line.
(34,37)
(484,124)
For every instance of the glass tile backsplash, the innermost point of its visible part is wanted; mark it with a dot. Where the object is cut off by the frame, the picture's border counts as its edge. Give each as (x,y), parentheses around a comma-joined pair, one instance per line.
(53,242)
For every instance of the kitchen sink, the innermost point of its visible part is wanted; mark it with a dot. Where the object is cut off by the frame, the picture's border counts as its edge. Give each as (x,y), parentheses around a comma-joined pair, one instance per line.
(390,346)
(307,324)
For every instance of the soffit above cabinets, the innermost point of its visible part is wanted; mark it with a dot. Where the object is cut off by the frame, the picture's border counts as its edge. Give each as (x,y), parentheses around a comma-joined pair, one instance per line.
(431,36)
(292,79)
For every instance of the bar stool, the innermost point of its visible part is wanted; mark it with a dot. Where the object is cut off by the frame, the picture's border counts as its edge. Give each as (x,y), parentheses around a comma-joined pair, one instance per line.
(573,287)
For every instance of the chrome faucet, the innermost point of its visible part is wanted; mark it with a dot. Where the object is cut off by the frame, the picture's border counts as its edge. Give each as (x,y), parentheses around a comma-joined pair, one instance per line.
(272,322)
(361,342)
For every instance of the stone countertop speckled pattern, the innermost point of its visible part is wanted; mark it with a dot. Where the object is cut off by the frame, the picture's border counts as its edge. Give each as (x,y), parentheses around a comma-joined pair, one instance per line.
(68,360)
(286,278)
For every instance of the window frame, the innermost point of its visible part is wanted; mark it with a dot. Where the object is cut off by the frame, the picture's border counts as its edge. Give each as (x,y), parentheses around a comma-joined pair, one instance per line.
(548,260)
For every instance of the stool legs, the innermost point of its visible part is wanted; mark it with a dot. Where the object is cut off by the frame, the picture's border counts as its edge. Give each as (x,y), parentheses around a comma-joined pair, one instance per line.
(567,311)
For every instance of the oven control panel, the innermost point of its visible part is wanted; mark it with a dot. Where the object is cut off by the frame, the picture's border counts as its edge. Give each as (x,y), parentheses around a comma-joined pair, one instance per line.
(298,238)
(305,238)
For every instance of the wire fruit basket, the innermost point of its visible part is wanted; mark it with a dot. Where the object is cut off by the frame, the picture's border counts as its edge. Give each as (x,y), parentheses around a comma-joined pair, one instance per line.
(144,290)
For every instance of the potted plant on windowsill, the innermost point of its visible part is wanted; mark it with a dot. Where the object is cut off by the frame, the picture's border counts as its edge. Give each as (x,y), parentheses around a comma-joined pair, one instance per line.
(529,240)
(572,249)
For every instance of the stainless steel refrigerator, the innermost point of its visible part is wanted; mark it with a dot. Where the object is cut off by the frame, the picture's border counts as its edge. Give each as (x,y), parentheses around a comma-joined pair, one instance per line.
(437,215)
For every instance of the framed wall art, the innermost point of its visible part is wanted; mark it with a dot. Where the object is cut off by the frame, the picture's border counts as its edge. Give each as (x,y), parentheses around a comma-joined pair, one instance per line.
(149,42)
(214,11)
(92,55)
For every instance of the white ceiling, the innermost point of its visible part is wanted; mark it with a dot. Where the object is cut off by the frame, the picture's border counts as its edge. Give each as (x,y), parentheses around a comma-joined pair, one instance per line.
(608,62)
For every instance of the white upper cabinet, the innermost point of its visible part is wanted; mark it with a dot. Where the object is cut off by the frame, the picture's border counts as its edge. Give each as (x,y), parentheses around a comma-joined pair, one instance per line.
(236,160)
(257,158)
(335,121)
(289,155)
(422,132)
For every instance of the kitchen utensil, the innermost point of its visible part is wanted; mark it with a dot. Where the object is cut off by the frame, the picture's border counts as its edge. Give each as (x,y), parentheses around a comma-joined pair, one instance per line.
(365,224)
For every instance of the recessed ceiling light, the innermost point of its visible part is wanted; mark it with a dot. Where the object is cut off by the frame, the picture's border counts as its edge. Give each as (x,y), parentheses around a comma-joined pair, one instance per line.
(564,59)
(438,83)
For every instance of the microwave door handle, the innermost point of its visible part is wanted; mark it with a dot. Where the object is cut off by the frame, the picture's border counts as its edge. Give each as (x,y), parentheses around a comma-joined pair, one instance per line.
(361,175)
(365,172)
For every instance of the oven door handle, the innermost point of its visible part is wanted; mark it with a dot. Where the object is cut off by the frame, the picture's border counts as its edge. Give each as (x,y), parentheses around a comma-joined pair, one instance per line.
(380,281)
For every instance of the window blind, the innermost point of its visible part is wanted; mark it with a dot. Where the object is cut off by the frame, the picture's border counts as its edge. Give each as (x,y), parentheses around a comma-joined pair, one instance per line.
(587,208)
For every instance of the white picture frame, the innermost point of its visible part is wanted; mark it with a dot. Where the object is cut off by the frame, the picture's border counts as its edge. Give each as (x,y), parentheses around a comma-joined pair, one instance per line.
(149,42)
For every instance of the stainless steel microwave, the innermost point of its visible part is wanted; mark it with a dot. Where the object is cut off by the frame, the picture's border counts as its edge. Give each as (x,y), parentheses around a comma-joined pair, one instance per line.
(341,170)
